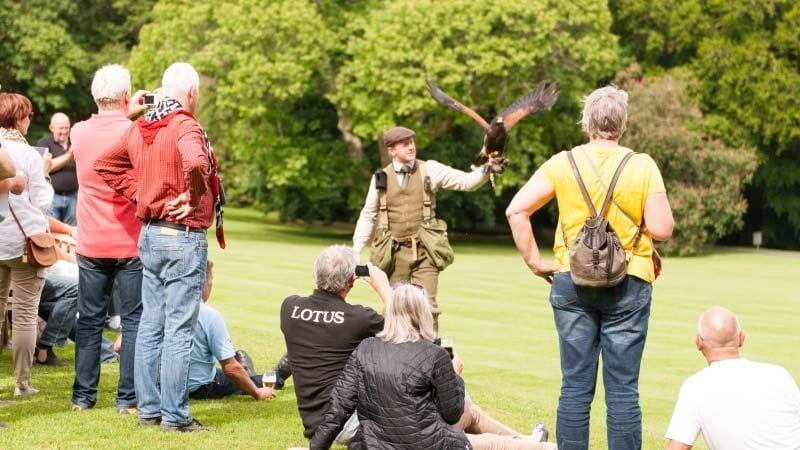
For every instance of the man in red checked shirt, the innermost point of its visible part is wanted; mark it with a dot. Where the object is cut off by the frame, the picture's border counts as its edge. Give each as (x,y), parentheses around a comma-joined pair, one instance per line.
(176,191)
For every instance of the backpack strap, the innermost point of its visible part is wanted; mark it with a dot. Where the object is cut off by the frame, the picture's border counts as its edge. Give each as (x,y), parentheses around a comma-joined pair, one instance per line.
(427,204)
(579,179)
(383,210)
(639,225)
(610,191)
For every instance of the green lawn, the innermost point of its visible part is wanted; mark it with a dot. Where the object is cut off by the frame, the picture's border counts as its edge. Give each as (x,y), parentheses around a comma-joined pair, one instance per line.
(496,310)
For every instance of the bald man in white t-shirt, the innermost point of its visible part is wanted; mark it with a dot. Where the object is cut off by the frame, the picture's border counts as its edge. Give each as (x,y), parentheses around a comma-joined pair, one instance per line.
(736,403)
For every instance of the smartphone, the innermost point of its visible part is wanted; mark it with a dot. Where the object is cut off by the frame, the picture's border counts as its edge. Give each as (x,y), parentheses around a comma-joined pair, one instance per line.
(41,150)
(362,270)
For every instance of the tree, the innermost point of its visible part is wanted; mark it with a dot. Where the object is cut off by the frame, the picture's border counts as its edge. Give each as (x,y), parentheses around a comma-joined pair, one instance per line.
(746,56)
(703,176)
(262,97)
(486,54)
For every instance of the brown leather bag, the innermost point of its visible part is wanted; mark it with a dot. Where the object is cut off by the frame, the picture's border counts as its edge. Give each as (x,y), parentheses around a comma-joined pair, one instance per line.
(40,249)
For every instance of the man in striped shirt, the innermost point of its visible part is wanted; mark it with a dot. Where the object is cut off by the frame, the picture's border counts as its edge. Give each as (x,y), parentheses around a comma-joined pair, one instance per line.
(170,184)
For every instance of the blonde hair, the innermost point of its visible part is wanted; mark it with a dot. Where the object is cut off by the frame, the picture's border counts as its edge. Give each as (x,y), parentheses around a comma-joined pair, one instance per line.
(408,316)
(605,113)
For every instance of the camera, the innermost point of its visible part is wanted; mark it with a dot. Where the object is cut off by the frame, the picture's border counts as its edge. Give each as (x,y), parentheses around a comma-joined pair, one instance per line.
(362,270)
(446,343)
(149,99)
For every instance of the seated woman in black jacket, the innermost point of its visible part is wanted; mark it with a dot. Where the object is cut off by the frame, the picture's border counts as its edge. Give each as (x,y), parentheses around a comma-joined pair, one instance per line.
(407,393)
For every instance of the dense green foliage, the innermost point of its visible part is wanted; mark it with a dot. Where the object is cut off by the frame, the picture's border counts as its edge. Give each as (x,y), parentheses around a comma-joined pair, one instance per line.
(746,55)
(50,48)
(295,93)
(298,98)
(703,176)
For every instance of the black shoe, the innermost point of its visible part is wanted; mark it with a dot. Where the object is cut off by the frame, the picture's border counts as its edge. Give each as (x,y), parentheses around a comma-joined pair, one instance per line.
(244,359)
(190,427)
(149,421)
(46,357)
(284,371)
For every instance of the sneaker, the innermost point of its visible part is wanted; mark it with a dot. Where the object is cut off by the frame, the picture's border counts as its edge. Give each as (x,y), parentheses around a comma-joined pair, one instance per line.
(190,427)
(132,411)
(76,407)
(22,390)
(149,421)
(540,433)
(244,359)
(46,357)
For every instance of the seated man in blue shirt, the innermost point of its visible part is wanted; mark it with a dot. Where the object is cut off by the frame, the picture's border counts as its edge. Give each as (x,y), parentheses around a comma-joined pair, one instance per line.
(212,343)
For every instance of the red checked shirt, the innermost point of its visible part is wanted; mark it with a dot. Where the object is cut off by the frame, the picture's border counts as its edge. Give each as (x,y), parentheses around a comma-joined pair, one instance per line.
(169,157)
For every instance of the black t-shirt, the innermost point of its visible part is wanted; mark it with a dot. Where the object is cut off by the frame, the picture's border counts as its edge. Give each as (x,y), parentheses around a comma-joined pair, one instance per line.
(321,332)
(65,181)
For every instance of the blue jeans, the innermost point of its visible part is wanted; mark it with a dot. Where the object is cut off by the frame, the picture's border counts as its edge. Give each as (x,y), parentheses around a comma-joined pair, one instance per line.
(221,386)
(63,208)
(59,307)
(96,277)
(591,321)
(174,272)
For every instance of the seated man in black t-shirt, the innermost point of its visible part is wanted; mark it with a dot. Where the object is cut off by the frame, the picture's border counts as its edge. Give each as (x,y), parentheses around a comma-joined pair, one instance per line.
(322,330)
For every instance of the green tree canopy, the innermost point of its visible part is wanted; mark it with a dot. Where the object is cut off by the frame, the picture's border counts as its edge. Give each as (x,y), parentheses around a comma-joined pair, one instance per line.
(747,58)
(704,177)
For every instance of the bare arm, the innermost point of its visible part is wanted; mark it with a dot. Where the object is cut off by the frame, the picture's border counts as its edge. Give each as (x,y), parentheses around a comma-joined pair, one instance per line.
(236,373)
(7,168)
(675,445)
(534,195)
(658,216)
(60,161)
(380,282)
(15,185)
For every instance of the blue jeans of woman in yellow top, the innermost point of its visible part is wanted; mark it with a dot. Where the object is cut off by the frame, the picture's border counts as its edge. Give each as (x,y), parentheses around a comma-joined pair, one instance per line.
(590,322)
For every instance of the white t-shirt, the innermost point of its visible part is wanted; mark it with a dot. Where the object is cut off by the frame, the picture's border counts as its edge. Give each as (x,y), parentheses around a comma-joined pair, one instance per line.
(739,404)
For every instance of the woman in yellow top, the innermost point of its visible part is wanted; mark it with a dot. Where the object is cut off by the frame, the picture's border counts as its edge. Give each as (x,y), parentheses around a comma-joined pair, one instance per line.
(590,321)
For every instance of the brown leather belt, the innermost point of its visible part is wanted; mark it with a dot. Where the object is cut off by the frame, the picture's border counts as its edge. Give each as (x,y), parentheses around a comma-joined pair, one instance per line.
(175,226)
(411,242)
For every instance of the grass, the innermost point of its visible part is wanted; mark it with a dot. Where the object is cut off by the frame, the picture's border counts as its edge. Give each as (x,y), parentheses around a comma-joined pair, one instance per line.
(497,312)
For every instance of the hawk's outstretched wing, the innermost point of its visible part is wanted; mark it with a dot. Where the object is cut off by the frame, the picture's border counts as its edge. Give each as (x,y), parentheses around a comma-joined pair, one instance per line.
(542,97)
(445,100)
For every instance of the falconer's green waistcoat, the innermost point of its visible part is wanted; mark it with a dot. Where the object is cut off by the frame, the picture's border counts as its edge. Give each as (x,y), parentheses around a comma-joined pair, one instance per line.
(405,205)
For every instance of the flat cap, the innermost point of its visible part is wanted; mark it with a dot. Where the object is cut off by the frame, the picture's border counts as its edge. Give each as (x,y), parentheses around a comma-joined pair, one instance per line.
(396,134)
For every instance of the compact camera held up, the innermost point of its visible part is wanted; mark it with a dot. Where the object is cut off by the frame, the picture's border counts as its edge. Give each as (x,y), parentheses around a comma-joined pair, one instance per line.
(150,99)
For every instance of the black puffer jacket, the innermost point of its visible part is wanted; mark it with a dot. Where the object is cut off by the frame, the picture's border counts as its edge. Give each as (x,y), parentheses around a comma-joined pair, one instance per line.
(407,396)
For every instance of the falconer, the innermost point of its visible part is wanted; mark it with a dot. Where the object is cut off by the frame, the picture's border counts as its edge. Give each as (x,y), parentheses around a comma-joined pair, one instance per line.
(408,242)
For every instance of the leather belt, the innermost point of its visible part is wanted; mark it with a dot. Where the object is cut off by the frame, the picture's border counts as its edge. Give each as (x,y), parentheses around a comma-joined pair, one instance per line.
(175,226)
(411,242)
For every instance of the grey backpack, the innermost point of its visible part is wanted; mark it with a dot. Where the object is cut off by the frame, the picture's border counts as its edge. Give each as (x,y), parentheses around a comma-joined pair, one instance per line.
(597,257)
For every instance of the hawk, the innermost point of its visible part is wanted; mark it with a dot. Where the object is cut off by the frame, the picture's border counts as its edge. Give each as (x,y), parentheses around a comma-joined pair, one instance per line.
(542,97)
